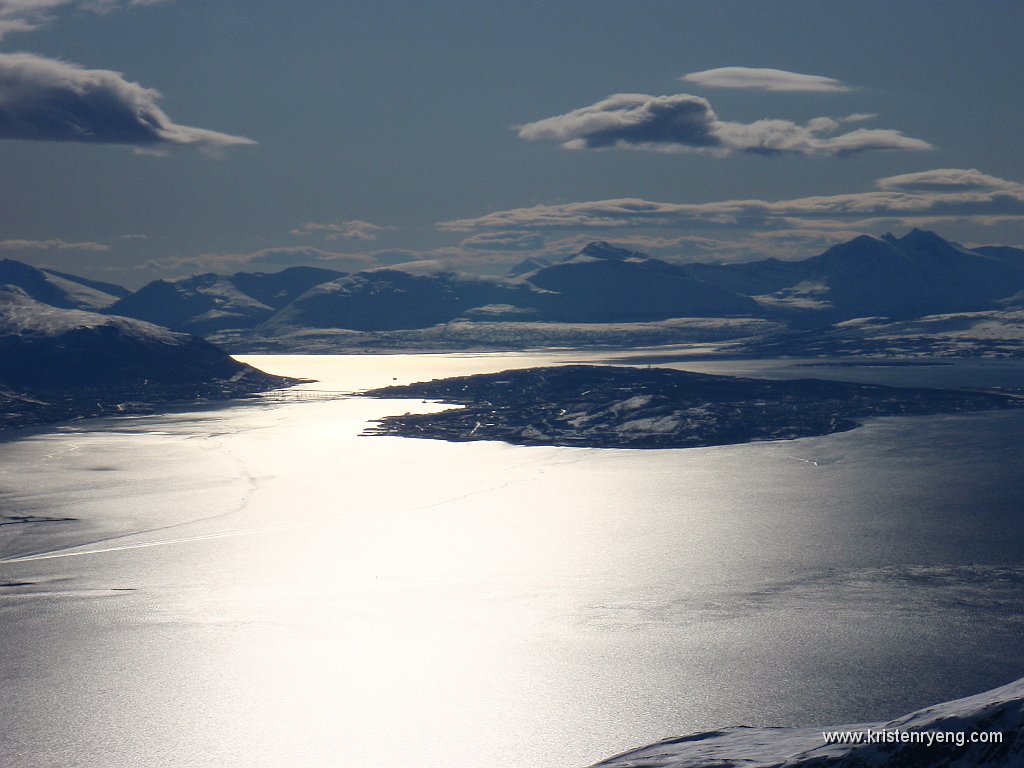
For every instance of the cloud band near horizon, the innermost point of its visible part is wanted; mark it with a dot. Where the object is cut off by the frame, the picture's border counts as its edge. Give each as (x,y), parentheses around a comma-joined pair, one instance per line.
(951,193)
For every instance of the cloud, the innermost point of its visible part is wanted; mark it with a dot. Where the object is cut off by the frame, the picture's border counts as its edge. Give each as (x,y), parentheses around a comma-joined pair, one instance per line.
(51,245)
(30,15)
(763,80)
(632,120)
(858,117)
(504,241)
(346,230)
(26,15)
(106,6)
(948,180)
(942,194)
(687,123)
(45,99)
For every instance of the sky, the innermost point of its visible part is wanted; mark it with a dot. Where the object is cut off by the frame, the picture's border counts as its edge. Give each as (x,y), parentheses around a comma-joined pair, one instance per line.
(142,139)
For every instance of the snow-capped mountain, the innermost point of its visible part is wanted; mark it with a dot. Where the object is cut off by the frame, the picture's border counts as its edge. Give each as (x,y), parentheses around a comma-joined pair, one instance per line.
(59,289)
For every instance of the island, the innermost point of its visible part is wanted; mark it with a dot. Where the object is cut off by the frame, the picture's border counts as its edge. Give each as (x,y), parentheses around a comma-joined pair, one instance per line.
(604,406)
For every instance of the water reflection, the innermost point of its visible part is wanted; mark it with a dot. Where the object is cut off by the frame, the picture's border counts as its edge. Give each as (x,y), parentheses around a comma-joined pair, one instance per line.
(261,586)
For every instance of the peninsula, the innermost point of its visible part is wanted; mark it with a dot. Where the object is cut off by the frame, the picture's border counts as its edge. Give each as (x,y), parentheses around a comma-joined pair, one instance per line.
(58,364)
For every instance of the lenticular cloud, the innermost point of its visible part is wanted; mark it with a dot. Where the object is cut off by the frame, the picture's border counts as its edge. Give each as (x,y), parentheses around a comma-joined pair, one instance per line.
(687,123)
(762,79)
(45,99)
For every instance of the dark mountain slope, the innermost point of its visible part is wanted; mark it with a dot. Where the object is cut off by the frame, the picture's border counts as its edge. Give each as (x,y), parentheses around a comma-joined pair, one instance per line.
(916,275)
(199,304)
(389,299)
(621,291)
(210,302)
(606,284)
(57,363)
(278,289)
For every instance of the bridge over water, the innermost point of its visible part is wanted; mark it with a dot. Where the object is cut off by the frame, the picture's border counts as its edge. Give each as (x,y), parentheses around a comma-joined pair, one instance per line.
(308,394)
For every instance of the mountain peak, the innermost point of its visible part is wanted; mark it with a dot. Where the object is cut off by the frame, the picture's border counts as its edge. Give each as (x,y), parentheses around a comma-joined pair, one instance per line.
(919,237)
(608,252)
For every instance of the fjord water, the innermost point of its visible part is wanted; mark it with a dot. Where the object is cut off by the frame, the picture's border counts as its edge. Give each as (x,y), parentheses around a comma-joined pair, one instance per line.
(261,586)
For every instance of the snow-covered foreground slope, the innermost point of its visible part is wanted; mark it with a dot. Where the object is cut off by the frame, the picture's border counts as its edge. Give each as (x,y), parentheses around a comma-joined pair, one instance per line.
(882,744)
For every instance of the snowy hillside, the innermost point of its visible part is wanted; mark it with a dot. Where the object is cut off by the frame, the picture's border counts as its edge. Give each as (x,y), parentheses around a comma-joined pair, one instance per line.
(976,717)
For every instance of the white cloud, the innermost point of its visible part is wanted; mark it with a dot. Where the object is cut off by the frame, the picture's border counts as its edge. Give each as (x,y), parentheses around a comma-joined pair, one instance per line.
(858,117)
(763,80)
(346,230)
(687,123)
(45,99)
(948,180)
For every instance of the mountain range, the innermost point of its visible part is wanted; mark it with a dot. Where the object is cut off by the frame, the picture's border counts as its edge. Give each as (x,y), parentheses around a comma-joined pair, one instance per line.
(209,302)
(905,279)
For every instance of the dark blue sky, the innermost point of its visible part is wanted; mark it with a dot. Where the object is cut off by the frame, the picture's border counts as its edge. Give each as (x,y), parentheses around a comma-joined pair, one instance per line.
(470,134)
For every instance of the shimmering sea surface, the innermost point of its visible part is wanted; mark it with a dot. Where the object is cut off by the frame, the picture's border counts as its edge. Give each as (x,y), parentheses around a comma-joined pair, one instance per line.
(259,585)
